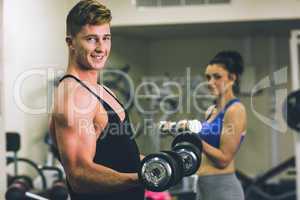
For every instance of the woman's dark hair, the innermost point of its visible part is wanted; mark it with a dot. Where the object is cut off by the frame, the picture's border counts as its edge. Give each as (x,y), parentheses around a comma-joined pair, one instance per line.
(233,62)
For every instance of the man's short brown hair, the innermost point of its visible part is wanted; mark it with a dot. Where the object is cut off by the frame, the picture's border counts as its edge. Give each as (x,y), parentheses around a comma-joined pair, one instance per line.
(87,12)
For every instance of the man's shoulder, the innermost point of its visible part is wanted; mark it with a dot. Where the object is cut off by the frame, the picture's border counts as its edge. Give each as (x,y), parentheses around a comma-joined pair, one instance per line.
(72,96)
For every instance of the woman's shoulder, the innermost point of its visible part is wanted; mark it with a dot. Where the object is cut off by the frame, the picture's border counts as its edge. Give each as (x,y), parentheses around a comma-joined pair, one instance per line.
(237,109)
(237,105)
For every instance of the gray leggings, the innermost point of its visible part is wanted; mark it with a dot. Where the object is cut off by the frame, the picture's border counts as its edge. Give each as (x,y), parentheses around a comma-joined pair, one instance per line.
(219,187)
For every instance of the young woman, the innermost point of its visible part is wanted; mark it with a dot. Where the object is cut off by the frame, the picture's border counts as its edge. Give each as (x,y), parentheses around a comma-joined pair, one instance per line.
(223,130)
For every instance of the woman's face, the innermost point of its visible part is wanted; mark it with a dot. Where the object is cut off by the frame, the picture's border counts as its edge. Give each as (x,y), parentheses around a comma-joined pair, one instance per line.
(219,79)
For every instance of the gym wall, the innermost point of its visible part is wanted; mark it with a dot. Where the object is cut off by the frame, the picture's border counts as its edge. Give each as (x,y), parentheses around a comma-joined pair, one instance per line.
(34,42)
(134,52)
(125,13)
(2,136)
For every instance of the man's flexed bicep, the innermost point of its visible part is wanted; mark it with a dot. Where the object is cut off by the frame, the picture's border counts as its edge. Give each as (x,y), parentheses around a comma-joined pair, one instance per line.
(75,144)
(75,132)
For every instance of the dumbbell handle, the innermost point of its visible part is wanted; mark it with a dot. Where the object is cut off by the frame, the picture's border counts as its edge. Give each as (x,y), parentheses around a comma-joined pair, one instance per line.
(173,128)
(34,196)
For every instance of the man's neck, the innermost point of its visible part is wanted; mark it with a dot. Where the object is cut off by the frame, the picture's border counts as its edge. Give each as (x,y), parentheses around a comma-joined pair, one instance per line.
(89,76)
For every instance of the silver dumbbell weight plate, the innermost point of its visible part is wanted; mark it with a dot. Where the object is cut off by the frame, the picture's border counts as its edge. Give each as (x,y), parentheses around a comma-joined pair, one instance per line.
(189,159)
(156,172)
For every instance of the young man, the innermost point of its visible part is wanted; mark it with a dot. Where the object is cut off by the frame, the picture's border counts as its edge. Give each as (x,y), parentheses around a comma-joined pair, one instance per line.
(89,126)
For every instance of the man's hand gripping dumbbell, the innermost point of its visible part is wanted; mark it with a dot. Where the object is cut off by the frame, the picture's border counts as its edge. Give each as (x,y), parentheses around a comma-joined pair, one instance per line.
(165,169)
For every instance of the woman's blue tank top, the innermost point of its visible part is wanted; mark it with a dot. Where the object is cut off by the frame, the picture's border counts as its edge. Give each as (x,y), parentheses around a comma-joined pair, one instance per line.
(211,131)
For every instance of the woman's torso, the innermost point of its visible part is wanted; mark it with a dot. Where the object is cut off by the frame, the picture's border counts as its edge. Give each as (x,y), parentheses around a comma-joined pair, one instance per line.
(212,135)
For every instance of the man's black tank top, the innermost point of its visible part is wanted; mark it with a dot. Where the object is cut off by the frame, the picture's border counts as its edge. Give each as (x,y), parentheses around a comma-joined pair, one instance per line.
(115,149)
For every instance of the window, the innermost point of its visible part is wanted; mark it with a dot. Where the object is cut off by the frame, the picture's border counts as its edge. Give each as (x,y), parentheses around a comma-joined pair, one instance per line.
(164,3)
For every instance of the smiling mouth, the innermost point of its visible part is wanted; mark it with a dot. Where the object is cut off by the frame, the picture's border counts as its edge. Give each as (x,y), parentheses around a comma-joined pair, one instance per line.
(98,57)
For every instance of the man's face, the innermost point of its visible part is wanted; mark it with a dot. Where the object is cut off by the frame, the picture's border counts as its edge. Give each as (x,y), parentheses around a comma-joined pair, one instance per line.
(91,46)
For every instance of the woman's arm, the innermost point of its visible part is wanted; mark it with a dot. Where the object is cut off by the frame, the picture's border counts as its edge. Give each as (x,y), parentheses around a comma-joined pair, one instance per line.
(234,125)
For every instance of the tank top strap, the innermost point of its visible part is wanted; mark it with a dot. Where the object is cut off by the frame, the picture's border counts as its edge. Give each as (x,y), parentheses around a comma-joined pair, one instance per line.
(111,94)
(231,102)
(210,111)
(84,85)
(106,105)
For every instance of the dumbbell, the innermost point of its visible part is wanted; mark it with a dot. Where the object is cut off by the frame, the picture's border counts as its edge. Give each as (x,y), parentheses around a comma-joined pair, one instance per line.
(182,126)
(189,147)
(59,190)
(291,109)
(18,187)
(21,188)
(162,170)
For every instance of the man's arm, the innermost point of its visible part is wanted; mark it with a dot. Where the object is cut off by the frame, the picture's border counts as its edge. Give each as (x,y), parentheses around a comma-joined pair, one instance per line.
(76,140)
